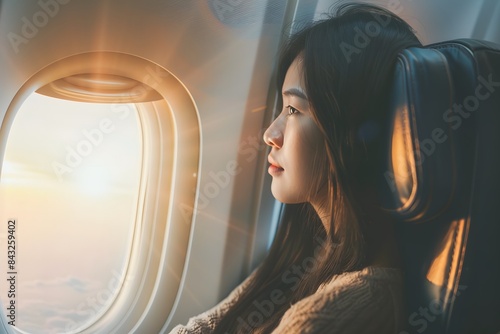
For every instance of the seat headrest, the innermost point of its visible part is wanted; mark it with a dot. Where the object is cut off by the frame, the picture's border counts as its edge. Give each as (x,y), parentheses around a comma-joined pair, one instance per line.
(436,94)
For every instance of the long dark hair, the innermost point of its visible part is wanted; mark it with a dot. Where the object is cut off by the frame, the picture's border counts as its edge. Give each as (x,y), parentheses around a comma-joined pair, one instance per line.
(347,62)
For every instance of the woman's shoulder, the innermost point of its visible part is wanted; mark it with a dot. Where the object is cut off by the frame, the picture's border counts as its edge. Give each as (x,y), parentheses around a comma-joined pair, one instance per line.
(367,288)
(369,276)
(351,302)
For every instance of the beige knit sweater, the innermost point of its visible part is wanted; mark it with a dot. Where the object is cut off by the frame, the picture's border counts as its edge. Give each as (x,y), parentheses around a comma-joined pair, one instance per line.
(365,301)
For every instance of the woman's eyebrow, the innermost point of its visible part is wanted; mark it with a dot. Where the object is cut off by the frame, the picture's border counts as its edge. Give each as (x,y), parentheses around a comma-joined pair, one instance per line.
(296,92)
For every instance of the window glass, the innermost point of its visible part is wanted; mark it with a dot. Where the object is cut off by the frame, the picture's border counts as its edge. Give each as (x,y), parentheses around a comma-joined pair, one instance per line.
(70,178)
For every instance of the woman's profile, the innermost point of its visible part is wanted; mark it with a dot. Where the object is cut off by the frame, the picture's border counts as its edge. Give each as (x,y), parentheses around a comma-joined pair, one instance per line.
(333,266)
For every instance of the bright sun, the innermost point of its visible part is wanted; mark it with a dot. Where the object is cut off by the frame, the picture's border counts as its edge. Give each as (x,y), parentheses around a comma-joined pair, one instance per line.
(93,180)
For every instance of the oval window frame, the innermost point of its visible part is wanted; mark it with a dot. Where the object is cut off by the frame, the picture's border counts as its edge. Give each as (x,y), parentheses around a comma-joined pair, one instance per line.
(167,191)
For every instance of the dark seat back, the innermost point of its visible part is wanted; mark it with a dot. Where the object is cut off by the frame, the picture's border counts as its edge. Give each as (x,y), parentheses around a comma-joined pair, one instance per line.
(442,183)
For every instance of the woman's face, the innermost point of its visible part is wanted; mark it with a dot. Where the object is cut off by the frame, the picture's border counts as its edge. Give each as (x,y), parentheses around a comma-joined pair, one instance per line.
(297,149)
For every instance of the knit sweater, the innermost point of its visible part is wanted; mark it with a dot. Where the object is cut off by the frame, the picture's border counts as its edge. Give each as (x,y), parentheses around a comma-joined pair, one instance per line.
(365,301)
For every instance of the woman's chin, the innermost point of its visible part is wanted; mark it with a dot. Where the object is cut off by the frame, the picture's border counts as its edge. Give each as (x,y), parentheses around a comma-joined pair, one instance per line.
(285,197)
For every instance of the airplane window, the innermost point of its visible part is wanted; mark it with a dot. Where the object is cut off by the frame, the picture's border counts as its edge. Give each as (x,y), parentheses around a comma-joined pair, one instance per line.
(70,180)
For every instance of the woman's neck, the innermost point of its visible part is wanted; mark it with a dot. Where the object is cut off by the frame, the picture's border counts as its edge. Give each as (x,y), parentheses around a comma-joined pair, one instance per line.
(322,208)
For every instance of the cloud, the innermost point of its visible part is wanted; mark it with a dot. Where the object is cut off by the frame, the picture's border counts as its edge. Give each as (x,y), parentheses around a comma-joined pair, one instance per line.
(37,317)
(73,283)
(62,304)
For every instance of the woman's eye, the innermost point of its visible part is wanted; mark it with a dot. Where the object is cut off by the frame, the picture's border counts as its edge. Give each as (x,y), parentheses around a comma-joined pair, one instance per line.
(291,110)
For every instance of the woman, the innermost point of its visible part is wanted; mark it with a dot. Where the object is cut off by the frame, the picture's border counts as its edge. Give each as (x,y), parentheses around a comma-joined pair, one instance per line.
(332,267)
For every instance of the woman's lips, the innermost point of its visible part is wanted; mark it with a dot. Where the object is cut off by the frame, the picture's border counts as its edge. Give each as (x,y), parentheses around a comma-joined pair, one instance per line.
(275,170)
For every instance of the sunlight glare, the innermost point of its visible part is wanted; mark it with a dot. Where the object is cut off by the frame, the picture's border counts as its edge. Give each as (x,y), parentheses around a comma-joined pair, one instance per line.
(93,181)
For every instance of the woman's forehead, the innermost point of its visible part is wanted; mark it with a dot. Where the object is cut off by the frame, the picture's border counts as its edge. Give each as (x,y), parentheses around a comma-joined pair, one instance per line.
(294,80)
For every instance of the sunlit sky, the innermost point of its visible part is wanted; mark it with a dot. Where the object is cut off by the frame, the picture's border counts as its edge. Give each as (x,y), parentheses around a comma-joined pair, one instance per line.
(69,177)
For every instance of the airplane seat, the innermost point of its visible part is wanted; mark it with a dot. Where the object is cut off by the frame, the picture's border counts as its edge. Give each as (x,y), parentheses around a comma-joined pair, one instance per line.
(441,182)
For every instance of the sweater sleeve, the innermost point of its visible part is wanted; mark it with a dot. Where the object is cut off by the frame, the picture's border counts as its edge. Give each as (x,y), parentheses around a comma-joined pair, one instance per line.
(206,322)
(356,305)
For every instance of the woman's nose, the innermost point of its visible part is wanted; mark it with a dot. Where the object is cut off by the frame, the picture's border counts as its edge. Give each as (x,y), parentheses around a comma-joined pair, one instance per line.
(274,134)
